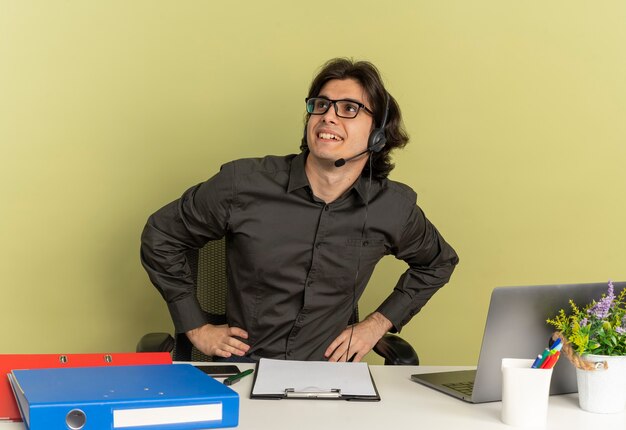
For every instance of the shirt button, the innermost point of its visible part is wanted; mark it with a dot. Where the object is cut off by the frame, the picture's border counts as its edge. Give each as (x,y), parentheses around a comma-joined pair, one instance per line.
(327,208)
(318,244)
(365,243)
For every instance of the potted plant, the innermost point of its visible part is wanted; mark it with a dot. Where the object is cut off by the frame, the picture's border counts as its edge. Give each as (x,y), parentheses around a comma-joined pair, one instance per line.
(594,339)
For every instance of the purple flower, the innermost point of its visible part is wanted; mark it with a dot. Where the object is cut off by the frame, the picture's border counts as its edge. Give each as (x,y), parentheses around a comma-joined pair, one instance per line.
(583,322)
(620,330)
(601,309)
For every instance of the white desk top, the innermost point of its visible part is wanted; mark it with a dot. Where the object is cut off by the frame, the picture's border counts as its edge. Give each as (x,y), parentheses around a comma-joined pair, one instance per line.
(404,404)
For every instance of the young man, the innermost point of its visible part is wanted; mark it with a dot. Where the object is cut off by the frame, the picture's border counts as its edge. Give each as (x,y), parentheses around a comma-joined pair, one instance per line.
(304,233)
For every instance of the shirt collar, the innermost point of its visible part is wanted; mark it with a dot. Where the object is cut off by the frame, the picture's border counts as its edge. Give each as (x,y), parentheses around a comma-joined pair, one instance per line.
(298,178)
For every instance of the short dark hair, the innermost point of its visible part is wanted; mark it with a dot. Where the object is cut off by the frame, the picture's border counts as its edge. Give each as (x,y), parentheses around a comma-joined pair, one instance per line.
(368,76)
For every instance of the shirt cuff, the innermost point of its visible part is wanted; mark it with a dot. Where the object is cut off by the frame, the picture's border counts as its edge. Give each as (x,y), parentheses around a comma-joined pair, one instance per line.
(186,314)
(395,309)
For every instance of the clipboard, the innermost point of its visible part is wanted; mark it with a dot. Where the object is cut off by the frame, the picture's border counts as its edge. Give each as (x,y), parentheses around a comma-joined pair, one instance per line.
(313,380)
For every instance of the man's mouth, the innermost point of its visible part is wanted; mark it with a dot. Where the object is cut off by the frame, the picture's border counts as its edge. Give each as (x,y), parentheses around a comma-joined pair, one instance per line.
(329,136)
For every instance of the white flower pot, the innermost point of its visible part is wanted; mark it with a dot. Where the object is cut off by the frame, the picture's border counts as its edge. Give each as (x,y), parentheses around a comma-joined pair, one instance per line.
(603,390)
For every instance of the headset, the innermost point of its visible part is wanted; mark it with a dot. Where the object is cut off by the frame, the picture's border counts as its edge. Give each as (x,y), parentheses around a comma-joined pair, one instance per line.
(377,139)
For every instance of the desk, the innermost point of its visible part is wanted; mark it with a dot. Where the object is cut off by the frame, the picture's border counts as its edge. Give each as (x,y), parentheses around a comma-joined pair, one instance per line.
(405,405)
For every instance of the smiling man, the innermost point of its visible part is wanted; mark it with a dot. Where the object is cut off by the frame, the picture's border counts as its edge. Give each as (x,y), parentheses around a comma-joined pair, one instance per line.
(304,233)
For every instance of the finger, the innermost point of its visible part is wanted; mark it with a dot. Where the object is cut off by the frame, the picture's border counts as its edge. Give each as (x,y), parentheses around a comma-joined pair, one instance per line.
(233,351)
(224,347)
(358,357)
(236,331)
(236,346)
(221,353)
(334,345)
(339,354)
(330,350)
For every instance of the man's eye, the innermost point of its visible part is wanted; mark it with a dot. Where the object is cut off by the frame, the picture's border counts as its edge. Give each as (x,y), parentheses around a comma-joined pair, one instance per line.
(321,104)
(348,108)
(351,107)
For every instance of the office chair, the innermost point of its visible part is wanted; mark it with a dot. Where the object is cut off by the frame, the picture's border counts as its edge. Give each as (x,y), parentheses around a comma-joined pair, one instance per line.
(208,266)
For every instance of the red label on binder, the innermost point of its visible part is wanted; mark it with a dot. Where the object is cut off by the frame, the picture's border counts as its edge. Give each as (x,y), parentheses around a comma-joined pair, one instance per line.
(10,362)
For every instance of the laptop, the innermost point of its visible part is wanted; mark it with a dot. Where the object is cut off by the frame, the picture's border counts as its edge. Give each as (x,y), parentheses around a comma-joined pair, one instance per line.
(516,328)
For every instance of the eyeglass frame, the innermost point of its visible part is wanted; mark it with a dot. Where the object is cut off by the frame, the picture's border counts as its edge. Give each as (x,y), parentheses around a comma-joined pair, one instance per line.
(334,104)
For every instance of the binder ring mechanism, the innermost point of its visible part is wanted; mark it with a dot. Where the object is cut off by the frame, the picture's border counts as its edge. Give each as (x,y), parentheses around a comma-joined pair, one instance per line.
(333,393)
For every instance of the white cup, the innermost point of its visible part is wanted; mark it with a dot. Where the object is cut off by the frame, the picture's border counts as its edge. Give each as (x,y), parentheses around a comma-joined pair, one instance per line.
(525,393)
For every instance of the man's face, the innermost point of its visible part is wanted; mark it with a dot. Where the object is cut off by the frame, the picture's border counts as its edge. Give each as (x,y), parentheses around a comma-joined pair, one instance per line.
(330,137)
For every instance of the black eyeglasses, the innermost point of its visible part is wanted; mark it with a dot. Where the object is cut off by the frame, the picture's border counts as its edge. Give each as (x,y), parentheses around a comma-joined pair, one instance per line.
(343,108)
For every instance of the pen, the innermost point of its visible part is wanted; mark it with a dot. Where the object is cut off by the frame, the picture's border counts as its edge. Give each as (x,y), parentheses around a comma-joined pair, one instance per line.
(235,378)
(536,362)
(556,347)
(547,362)
(545,354)
(556,343)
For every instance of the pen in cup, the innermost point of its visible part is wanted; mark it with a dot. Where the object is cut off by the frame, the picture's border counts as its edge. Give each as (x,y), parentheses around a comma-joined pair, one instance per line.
(549,357)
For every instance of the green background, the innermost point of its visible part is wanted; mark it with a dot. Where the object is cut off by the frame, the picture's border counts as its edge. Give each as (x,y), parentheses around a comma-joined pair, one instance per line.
(110,109)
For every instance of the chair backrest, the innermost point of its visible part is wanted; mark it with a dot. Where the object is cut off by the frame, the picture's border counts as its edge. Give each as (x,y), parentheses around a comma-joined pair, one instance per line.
(209,268)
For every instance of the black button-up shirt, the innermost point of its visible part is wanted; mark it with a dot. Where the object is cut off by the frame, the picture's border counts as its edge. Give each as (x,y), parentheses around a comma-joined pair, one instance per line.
(293,258)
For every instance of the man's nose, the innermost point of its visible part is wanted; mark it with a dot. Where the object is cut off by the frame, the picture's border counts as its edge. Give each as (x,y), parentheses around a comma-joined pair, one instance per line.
(331,114)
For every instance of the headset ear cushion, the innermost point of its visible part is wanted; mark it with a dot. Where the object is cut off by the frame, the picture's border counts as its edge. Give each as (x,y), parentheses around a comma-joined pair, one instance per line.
(377,140)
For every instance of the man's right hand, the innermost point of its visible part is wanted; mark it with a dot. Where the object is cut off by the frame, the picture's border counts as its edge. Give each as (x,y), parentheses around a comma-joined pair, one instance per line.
(219,340)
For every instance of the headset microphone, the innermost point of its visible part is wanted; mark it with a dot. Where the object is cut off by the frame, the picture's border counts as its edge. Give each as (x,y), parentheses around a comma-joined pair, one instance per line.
(342,161)
(375,142)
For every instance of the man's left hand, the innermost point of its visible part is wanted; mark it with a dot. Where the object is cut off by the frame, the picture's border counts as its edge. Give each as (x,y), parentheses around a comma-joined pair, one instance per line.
(364,337)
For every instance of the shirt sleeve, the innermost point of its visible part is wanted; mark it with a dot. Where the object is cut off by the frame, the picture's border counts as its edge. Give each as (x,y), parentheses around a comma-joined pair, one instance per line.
(431,263)
(198,216)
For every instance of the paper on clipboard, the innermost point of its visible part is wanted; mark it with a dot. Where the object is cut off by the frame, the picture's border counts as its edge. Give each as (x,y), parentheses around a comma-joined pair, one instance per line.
(350,380)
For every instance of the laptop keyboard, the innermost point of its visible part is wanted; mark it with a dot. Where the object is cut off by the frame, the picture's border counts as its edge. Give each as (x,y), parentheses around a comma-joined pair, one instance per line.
(462,387)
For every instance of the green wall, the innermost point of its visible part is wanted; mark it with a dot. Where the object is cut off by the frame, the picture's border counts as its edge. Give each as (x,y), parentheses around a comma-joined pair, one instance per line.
(109,110)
